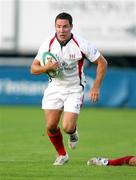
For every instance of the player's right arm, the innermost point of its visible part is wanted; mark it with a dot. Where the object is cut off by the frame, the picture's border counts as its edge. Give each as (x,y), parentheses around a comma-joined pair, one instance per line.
(37,69)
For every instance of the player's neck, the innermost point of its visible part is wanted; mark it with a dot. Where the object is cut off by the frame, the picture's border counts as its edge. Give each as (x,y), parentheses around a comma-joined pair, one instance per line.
(63,43)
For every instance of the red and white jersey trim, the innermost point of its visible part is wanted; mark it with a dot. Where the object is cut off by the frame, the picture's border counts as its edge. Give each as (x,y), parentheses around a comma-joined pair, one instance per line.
(71,59)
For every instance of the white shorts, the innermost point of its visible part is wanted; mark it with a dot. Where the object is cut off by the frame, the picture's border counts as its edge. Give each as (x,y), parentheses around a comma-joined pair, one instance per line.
(66,99)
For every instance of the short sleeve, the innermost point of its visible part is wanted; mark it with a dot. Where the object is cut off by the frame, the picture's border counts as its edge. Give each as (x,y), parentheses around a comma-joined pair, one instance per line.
(90,52)
(43,48)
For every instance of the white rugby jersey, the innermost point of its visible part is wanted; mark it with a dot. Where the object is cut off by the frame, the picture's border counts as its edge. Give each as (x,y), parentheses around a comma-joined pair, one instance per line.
(71,58)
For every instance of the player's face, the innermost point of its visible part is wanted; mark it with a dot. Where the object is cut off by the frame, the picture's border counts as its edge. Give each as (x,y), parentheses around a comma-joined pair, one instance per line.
(63,29)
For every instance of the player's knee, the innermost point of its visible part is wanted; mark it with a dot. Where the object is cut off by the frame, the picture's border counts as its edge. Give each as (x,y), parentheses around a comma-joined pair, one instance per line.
(68,129)
(51,128)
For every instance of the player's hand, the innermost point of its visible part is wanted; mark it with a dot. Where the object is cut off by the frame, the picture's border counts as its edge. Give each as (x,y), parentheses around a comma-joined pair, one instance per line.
(51,66)
(94,94)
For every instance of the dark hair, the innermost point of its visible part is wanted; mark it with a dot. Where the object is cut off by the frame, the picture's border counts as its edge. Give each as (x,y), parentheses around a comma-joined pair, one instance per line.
(64,15)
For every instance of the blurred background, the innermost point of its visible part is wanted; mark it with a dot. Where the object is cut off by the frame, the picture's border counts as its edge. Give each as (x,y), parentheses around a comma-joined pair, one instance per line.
(108,24)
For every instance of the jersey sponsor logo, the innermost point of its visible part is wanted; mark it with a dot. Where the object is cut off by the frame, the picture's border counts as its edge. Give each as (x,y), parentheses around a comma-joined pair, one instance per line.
(65,66)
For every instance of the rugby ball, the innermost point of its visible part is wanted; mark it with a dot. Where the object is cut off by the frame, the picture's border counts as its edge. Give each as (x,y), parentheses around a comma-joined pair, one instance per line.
(48,56)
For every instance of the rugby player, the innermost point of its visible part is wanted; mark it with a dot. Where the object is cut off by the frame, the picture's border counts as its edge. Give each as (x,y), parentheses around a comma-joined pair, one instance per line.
(64,95)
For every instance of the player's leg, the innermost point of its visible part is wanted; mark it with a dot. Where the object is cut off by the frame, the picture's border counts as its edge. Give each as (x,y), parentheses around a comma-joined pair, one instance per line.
(72,107)
(69,122)
(125,160)
(52,119)
(52,106)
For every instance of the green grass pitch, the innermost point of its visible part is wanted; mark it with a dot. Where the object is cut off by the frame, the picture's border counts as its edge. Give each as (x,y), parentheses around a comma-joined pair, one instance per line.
(26,153)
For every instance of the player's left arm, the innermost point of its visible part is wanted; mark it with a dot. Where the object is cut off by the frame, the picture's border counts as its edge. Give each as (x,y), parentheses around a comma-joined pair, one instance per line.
(100,72)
